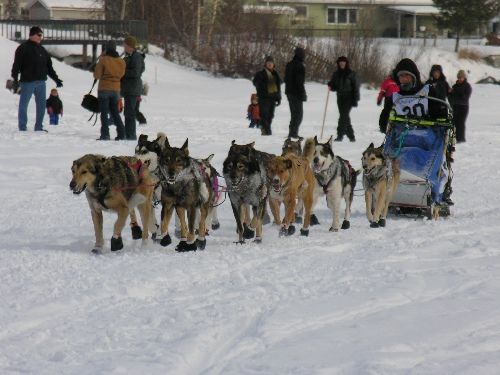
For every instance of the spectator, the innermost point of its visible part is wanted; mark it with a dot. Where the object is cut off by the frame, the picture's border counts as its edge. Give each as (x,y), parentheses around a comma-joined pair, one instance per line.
(459,97)
(33,62)
(54,107)
(109,71)
(295,91)
(253,112)
(345,82)
(268,85)
(388,87)
(131,85)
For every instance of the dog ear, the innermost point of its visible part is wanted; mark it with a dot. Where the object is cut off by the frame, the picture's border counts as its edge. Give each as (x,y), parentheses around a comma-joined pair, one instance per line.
(316,140)
(143,138)
(288,164)
(233,142)
(371,145)
(209,159)
(166,144)
(251,145)
(330,140)
(184,147)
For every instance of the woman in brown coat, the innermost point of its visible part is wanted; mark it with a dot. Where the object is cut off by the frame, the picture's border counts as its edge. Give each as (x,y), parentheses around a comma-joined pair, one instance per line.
(109,71)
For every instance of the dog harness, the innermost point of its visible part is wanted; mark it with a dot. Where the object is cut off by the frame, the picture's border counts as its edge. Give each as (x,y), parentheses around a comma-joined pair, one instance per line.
(344,168)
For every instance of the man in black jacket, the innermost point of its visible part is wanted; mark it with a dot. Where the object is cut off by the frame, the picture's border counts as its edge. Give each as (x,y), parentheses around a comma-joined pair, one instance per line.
(131,85)
(345,82)
(295,91)
(459,97)
(33,62)
(268,85)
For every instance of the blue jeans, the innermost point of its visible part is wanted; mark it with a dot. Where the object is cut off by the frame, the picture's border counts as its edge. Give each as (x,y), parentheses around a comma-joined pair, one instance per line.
(108,104)
(27,90)
(54,119)
(130,108)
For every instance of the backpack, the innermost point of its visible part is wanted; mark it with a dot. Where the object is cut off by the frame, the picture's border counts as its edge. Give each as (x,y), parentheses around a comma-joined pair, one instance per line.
(90,103)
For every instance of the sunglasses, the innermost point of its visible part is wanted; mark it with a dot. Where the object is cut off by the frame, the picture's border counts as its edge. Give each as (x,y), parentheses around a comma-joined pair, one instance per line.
(40,35)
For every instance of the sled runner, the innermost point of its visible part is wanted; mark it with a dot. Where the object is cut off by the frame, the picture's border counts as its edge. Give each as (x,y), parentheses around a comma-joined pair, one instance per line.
(423,146)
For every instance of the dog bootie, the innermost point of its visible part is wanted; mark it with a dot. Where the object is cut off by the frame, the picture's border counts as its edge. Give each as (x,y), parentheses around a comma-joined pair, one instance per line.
(215,225)
(166,240)
(332,229)
(381,223)
(183,246)
(304,232)
(201,243)
(345,224)
(374,224)
(116,244)
(298,219)
(136,232)
(247,232)
(314,220)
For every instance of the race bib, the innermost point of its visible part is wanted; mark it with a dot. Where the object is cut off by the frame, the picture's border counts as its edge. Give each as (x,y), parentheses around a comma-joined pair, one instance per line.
(413,105)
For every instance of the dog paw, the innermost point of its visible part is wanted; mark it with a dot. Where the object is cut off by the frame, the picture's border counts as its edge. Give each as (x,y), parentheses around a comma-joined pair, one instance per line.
(166,240)
(291,230)
(374,224)
(258,240)
(345,224)
(96,251)
(116,244)
(215,225)
(201,244)
(304,232)
(183,246)
(136,232)
(314,220)
(298,219)
(247,232)
(332,229)
(381,223)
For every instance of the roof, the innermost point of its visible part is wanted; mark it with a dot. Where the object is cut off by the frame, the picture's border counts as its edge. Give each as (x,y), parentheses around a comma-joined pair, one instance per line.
(415,9)
(75,4)
(358,2)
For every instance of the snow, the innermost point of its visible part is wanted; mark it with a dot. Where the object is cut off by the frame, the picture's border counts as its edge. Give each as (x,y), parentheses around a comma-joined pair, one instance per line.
(418,297)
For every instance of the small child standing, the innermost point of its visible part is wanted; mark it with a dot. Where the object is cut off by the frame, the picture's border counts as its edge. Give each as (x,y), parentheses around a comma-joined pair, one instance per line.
(253,112)
(54,107)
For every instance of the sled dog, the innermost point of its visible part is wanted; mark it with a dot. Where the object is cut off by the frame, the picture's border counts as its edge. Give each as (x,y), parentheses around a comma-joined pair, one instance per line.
(291,178)
(244,171)
(291,146)
(185,187)
(335,178)
(380,180)
(118,184)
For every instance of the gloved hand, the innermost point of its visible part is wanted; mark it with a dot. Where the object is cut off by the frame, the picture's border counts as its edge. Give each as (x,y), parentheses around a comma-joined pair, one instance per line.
(354,103)
(304,98)
(379,101)
(15,85)
(59,83)
(278,102)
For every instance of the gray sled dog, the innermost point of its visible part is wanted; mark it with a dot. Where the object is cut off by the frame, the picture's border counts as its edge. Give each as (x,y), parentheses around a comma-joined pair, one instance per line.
(117,184)
(380,180)
(335,179)
(187,188)
(244,171)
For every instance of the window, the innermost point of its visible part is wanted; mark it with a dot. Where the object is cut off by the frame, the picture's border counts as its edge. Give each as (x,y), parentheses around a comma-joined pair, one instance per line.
(301,11)
(342,16)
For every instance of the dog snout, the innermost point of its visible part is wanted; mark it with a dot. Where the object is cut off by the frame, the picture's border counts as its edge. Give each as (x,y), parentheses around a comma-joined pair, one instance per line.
(316,160)
(72,184)
(276,180)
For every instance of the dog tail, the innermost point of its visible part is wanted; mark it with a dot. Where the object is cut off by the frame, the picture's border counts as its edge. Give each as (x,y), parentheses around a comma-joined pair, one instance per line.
(136,200)
(309,148)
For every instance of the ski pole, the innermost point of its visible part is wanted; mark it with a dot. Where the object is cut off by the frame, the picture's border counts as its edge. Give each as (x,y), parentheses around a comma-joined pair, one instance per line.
(324,114)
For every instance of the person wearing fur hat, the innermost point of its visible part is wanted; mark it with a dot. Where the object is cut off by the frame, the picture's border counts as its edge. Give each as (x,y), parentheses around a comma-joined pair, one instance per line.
(131,85)
(295,75)
(459,97)
(437,80)
(268,84)
(345,82)
(34,64)
(109,70)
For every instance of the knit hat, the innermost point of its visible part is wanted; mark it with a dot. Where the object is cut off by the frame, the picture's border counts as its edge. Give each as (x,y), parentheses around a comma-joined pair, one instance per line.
(342,58)
(407,66)
(269,58)
(461,74)
(110,46)
(35,30)
(130,41)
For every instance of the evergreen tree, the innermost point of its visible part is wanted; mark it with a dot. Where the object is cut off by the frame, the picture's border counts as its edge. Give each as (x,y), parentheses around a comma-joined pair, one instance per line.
(11,9)
(462,16)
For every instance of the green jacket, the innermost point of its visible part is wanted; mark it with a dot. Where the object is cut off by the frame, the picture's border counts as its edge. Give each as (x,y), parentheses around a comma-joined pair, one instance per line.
(131,83)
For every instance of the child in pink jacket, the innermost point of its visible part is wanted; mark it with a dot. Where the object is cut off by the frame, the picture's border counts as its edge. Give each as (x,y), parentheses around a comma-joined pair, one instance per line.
(388,87)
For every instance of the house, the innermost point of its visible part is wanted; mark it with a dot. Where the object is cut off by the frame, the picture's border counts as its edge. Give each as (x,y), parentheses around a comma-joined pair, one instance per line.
(387,18)
(56,9)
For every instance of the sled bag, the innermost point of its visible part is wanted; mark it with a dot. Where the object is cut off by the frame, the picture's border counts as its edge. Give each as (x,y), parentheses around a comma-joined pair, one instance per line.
(90,102)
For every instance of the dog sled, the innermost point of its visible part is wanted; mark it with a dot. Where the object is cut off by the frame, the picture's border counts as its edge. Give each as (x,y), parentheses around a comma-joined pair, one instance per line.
(423,148)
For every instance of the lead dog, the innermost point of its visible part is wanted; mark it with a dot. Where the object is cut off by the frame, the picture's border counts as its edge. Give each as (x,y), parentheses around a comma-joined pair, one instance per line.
(117,184)
(335,179)
(291,178)
(380,180)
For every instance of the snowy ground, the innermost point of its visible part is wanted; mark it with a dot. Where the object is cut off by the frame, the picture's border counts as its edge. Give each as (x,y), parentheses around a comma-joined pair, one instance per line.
(418,297)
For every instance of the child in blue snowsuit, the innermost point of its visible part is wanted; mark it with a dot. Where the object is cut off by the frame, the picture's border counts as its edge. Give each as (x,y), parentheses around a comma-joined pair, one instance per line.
(54,107)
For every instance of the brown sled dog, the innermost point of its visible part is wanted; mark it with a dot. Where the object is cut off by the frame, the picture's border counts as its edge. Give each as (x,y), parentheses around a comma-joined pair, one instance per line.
(118,184)
(380,180)
(291,178)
